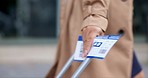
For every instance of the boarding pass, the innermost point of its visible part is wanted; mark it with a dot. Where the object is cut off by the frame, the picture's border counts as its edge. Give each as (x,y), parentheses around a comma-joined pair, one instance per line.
(100,47)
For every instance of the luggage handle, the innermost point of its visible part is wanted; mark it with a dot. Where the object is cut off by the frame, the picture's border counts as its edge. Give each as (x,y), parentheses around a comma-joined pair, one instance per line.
(78,71)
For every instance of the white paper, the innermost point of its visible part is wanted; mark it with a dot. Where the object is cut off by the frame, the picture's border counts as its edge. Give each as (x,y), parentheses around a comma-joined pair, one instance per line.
(99,49)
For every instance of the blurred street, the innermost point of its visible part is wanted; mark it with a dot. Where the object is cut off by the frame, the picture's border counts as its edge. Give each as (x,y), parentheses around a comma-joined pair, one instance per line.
(33,58)
(26,58)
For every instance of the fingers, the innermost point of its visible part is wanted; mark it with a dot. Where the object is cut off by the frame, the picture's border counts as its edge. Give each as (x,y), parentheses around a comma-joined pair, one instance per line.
(88,43)
(88,36)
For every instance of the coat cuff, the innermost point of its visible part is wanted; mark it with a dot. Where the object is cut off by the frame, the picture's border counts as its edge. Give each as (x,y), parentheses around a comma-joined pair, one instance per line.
(93,20)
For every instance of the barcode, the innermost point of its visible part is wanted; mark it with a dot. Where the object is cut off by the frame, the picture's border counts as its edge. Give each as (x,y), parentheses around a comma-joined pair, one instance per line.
(102,51)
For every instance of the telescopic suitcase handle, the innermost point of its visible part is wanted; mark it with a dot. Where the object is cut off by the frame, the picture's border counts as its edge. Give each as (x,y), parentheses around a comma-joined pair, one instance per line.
(78,71)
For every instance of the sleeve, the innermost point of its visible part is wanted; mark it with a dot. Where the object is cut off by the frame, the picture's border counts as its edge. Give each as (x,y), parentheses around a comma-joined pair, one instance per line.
(95,13)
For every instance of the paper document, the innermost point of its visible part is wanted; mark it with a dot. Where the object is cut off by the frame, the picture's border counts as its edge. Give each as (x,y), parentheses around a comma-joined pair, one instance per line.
(100,47)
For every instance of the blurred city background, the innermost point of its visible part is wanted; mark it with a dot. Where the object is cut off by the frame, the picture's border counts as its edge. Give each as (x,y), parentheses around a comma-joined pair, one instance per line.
(29,33)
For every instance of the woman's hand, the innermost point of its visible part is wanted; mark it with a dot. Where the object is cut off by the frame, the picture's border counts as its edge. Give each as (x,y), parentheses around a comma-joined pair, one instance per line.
(88,34)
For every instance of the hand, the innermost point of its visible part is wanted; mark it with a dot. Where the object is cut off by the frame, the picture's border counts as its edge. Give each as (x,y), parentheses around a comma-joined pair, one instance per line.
(88,34)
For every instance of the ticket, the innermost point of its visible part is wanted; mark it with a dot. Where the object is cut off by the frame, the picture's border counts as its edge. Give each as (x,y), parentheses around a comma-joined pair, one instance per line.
(100,47)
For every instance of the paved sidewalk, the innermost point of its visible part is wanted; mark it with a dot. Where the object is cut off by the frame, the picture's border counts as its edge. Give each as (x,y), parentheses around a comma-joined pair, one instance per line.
(24,70)
(26,61)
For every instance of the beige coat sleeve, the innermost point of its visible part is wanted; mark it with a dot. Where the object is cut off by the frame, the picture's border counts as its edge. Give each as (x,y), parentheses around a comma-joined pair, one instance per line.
(95,13)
